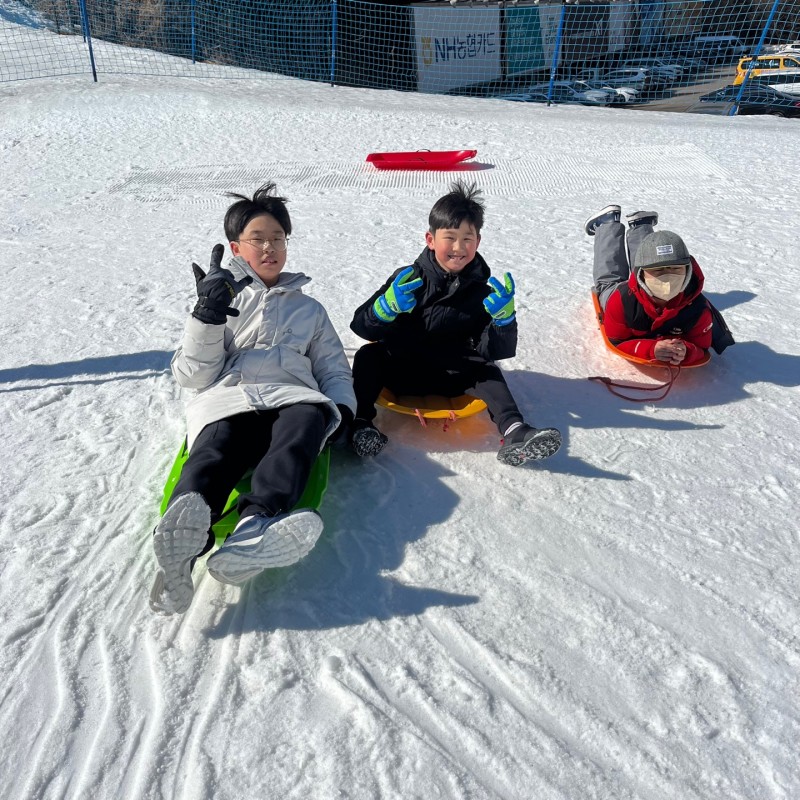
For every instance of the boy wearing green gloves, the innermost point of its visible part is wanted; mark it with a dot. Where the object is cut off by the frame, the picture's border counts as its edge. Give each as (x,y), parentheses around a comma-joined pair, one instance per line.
(438,326)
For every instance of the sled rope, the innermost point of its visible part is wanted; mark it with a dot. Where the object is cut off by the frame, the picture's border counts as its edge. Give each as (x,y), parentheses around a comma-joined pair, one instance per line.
(451,417)
(613,386)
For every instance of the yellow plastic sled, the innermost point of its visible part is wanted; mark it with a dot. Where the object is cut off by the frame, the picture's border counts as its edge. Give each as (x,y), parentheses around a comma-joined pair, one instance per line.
(431,406)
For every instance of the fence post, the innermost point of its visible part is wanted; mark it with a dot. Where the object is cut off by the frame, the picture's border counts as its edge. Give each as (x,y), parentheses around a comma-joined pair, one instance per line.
(556,49)
(87,35)
(194,38)
(334,20)
(735,107)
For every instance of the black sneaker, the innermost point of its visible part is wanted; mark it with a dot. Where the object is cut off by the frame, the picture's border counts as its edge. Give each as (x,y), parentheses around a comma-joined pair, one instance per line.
(365,439)
(608,214)
(528,444)
(637,218)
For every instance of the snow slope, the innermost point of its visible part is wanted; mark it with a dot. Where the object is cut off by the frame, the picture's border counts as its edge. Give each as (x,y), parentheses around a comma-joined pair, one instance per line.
(620,621)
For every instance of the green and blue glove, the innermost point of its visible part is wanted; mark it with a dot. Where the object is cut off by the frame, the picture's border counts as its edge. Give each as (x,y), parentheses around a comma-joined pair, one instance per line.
(398,298)
(500,303)
(216,290)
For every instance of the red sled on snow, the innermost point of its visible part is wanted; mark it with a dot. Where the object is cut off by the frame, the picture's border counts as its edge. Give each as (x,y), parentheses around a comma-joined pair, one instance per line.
(421,159)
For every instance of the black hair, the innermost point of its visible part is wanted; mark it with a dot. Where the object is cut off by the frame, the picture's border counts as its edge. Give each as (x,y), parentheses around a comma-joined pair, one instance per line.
(264,201)
(460,204)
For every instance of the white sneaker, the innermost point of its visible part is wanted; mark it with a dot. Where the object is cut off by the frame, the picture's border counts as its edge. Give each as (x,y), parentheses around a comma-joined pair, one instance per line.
(179,538)
(261,542)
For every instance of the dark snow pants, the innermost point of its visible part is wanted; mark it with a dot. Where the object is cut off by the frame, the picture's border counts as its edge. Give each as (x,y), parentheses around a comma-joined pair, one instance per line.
(374,368)
(279,445)
(614,251)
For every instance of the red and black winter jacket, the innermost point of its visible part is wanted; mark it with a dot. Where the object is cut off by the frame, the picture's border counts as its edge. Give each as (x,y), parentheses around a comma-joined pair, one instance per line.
(634,324)
(448,323)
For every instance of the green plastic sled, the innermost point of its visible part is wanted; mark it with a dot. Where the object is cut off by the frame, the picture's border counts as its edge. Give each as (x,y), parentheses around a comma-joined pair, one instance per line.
(311,498)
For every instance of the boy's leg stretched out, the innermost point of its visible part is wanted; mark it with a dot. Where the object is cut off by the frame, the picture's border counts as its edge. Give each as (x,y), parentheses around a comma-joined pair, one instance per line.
(281,475)
(520,442)
(373,369)
(610,260)
(372,366)
(634,238)
(280,445)
(614,250)
(269,534)
(218,459)
(486,381)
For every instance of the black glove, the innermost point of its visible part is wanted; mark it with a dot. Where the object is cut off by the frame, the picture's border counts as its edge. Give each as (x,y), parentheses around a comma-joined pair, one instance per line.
(216,290)
(340,434)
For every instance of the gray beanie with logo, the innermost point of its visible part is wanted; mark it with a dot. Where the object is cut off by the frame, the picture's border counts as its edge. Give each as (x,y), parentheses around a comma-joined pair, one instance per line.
(661,249)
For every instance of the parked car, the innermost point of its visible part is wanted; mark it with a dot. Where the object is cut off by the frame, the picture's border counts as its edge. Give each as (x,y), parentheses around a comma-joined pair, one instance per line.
(567,92)
(659,66)
(766,65)
(719,48)
(788,82)
(792,47)
(640,78)
(523,97)
(756,99)
(691,64)
(622,95)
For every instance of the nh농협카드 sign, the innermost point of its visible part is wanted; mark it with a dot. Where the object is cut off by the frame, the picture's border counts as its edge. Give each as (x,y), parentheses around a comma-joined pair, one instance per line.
(456,47)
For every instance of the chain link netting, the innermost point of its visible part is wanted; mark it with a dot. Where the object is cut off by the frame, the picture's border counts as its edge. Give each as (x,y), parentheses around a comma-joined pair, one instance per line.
(659,54)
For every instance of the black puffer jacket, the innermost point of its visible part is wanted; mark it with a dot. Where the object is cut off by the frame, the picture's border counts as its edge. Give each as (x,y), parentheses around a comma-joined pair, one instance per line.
(448,323)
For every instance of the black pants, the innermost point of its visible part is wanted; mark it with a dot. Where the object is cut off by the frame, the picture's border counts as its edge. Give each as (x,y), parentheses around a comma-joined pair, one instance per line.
(374,368)
(280,446)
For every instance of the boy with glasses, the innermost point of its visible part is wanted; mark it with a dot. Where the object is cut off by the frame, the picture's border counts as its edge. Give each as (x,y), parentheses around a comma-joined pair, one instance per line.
(272,386)
(654,308)
(438,326)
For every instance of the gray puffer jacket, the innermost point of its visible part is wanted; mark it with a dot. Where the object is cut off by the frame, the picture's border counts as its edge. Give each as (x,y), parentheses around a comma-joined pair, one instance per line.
(282,349)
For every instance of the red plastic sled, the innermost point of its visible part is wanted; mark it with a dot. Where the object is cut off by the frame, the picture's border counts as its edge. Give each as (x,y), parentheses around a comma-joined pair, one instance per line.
(420,159)
(635,359)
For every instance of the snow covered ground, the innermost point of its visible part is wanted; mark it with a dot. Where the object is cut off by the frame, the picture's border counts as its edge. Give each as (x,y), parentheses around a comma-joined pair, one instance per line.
(620,621)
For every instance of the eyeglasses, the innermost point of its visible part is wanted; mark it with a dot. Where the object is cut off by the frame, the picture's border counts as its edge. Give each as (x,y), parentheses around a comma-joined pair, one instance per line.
(279,243)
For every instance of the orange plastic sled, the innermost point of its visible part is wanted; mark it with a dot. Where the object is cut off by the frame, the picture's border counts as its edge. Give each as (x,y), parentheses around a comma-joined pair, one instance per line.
(431,406)
(635,359)
(420,159)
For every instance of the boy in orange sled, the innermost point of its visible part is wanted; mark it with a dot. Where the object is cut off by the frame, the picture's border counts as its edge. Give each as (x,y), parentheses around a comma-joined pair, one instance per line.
(650,289)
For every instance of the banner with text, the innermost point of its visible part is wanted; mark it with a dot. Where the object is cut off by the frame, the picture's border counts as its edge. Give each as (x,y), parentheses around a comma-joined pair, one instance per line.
(456,47)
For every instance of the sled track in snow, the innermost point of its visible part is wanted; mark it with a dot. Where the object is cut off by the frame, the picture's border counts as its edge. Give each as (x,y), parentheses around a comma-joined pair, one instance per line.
(651,169)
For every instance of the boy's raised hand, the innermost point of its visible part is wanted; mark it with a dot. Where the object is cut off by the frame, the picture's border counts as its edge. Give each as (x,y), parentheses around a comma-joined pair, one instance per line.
(216,289)
(399,297)
(500,303)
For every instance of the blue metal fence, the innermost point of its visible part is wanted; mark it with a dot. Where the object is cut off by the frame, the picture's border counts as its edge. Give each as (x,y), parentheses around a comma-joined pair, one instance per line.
(645,52)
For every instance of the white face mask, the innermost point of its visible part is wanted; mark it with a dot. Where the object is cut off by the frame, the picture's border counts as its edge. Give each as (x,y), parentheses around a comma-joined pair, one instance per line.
(664,287)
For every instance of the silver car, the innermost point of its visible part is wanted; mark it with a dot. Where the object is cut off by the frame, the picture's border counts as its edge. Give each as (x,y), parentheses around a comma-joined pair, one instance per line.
(568,92)
(657,65)
(621,95)
(640,78)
